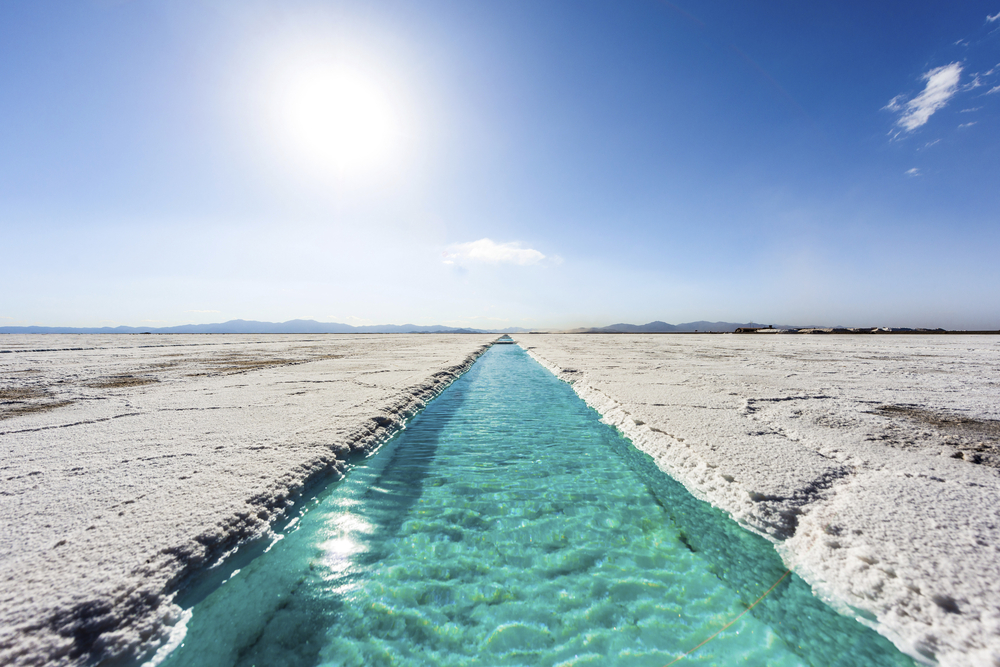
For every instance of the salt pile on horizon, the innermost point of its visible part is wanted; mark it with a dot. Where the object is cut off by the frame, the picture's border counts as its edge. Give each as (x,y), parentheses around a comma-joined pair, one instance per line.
(871,462)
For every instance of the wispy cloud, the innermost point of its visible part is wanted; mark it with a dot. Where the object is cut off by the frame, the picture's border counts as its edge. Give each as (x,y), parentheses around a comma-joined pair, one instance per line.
(942,84)
(995,17)
(967,124)
(201,311)
(994,89)
(931,143)
(487,251)
(975,83)
(895,104)
(912,172)
(970,110)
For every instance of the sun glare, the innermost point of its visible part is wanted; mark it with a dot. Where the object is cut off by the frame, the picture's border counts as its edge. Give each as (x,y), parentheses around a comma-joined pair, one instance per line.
(336,119)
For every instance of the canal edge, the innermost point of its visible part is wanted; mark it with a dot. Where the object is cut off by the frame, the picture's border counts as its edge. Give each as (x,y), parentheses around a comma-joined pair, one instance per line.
(236,531)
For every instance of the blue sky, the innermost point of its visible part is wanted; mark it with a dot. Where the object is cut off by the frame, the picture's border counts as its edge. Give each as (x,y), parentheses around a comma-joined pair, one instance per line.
(549,164)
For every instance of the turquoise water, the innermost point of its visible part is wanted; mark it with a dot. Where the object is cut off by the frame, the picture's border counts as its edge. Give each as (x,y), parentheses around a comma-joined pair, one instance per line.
(507,526)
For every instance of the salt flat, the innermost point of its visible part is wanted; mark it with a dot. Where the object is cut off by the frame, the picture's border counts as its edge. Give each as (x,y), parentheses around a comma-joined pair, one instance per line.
(130,461)
(871,461)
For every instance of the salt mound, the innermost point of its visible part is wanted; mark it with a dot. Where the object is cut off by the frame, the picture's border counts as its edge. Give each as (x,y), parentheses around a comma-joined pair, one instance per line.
(132,461)
(871,462)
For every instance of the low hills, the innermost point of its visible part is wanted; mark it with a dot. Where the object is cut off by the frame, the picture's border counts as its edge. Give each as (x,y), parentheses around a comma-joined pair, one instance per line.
(314,327)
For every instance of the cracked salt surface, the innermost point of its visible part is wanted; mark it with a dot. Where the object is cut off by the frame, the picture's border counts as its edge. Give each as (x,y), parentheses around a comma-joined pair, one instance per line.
(871,462)
(129,462)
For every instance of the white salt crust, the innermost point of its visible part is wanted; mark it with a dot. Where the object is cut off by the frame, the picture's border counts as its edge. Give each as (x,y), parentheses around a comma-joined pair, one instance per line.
(130,461)
(853,454)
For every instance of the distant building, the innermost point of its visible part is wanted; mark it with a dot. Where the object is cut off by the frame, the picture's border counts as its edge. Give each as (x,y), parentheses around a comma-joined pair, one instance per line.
(753,329)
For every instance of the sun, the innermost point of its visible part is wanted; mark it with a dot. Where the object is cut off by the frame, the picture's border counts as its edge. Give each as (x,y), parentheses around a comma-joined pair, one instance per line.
(333,118)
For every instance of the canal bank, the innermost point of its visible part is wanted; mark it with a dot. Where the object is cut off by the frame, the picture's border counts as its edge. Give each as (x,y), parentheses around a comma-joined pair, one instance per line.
(131,462)
(870,462)
(507,525)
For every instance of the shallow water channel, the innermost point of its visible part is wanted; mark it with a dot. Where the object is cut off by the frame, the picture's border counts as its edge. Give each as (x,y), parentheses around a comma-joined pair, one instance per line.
(507,526)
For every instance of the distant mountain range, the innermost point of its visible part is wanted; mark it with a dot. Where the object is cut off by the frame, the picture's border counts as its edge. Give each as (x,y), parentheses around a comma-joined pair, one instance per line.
(314,327)
(252,327)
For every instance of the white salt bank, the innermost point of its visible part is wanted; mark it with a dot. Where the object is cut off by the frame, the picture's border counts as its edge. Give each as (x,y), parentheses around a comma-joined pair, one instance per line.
(871,461)
(128,462)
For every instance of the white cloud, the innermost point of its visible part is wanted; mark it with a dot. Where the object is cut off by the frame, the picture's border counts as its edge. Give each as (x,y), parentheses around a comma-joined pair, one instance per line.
(912,172)
(975,83)
(970,110)
(993,18)
(942,84)
(966,124)
(994,89)
(488,251)
(202,311)
(894,103)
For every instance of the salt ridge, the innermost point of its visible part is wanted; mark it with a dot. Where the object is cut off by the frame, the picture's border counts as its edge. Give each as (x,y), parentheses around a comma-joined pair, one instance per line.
(129,467)
(871,508)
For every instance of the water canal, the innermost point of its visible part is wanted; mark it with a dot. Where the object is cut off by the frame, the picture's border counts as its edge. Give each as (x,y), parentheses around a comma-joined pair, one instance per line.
(508,526)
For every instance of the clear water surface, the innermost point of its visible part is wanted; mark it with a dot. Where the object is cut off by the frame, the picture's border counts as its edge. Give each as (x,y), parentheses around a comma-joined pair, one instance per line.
(508,526)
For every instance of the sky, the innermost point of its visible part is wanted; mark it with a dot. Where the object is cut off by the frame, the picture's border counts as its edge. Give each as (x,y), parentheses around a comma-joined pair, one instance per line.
(500,163)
